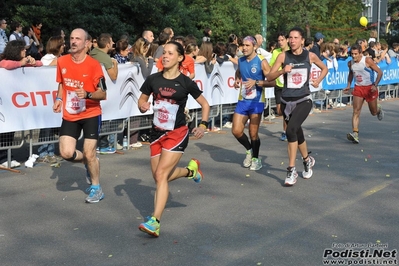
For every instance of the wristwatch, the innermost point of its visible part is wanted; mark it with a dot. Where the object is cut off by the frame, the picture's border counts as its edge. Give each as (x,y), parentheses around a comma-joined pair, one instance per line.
(88,95)
(257,83)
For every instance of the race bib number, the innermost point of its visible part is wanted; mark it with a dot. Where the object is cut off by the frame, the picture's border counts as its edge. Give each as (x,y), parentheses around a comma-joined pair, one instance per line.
(248,93)
(297,78)
(165,114)
(74,105)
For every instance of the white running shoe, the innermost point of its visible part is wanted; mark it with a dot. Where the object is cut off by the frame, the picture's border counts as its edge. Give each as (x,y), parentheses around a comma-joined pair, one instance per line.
(248,159)
(256,164)
(308,172)
(291,177)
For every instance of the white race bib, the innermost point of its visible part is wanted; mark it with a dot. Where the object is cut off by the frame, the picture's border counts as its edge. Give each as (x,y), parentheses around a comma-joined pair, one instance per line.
(74,105)
(248,93)
(296,78)
(165,114)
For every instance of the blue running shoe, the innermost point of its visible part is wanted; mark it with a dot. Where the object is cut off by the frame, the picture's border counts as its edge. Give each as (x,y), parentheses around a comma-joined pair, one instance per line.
(150,227)
(95,195)
(283,137)
(108,150)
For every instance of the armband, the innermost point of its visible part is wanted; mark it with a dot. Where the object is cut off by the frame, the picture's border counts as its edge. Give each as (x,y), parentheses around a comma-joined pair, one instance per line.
(204,123)
(102,84)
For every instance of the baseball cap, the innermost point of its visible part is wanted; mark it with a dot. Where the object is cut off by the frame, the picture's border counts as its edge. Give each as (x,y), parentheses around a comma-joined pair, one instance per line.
(319,36)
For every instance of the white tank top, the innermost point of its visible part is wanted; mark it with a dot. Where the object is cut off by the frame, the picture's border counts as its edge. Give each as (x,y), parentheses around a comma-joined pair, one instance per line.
(363,75)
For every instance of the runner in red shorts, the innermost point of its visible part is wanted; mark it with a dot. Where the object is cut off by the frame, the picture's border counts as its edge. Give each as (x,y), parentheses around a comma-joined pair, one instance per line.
(169,137)
(362,68)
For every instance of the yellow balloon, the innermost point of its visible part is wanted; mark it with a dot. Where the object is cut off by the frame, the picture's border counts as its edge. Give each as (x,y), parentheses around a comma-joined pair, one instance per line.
(363,21)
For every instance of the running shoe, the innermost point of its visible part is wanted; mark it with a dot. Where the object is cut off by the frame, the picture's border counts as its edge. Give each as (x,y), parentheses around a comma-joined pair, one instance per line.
(291,176)
(380,114)
(95,195)
(354,137)
(256,164)
(283,137)
(308,165)
(248,159)
(193,166)
(108,150)
(150,227)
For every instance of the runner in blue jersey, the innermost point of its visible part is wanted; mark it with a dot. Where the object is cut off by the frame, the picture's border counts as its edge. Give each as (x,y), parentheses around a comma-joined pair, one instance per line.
(250,78)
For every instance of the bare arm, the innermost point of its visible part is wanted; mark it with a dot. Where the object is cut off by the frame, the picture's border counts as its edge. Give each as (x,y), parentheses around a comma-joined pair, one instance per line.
(350,78)
(58,101)
(143,103)
(113,71)
(370,63)
(274,72)
(199,131)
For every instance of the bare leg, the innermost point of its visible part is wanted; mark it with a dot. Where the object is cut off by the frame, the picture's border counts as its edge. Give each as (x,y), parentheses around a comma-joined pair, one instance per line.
(163,169)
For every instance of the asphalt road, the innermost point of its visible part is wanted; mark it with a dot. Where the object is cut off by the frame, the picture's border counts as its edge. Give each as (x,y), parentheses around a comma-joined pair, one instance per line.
(234,217)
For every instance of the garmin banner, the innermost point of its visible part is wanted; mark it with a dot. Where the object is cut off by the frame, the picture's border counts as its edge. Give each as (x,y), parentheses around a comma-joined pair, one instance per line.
(337,77)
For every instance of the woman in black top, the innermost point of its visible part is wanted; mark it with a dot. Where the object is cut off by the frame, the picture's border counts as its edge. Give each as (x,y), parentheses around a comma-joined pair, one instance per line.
(295,99)
(169,137)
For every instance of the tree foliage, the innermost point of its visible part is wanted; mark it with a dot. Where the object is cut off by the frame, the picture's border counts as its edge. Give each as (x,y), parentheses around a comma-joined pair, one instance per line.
(334,18)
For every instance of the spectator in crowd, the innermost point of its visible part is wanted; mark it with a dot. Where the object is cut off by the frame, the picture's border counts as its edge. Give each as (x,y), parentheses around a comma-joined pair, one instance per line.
(31,41)
(37,29)
(88,88)
(394,51)
(16,34)
(189,39)
(148,35)
(231,52)
(373,36)
(163,39)
(220,50)
(271,46)
(169,139)
(318,40)
(232,39)
(13,56)
(94,42)
(206,56)
(362,68)
(308,45)
(122,51)
(384,56)
(100,53)
(207,35)
(260,50)
(343,52)
(3,35)
(336,41)
(55,47)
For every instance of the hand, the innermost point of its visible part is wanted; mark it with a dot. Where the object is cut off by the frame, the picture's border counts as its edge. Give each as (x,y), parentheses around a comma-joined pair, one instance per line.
(199,132)
(346,90)
(373,88)
(249,83)
(80,92)
(237,83)
(57,106)
(314,83)
(288,68)
(145,107)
